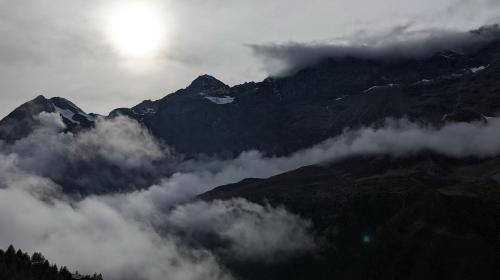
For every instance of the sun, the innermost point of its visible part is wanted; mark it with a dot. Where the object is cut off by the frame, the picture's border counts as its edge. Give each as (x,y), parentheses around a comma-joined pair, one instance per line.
(136,29)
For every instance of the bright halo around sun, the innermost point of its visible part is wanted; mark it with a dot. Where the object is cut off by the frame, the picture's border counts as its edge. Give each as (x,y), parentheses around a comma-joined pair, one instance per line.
(136,29)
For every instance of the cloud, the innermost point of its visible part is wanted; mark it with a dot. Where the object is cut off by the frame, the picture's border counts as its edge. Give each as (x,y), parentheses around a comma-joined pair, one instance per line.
(148,234)
(487,10)
(92,235)
(402,137)
(129,235)
(397,43)
(117,154)
(254,232)
(120,141)
(396,138)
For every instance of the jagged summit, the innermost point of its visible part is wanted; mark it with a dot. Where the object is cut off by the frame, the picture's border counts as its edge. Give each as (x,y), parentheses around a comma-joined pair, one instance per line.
(40,98)
(206,83)
(20,122)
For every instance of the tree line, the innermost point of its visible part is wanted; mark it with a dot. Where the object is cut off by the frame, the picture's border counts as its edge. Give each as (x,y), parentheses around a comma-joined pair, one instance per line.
(17,265)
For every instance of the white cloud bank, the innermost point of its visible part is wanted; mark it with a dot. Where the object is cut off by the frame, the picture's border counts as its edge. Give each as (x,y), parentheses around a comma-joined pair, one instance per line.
(159,233)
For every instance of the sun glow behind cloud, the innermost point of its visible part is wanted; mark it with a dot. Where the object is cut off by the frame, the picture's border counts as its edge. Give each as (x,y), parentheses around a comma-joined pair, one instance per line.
(137,29)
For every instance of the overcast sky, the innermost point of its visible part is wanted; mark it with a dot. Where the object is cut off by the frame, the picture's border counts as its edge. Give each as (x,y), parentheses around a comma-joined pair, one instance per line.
(64,47)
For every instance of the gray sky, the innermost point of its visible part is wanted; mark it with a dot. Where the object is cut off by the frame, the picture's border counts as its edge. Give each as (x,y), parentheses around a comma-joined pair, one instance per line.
(65,47)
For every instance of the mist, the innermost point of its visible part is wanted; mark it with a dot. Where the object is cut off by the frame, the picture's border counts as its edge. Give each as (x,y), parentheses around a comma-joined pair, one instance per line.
(137,235)
(164,230)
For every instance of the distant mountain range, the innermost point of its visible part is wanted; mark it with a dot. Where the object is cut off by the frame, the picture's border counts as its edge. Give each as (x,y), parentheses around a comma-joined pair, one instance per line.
(281,115)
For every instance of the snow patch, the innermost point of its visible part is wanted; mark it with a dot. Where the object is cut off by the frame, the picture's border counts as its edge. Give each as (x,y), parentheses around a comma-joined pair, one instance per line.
(478,69)
(486,117)
(145,112)
(220,100)
(424,81)
(67,114)
(379,87)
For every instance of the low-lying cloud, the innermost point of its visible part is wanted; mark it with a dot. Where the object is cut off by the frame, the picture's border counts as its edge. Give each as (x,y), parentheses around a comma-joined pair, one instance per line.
(117,155)
(91,235)
(254,232)
(398,43)
(131,235)
(163,231)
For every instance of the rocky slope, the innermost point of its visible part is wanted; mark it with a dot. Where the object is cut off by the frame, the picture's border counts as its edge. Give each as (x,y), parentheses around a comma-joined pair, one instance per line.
(282,115)
(423,217)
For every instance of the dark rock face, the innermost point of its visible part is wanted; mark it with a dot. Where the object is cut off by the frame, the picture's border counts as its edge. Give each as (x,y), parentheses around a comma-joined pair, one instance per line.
(425,217)
(280,116)
(21,121)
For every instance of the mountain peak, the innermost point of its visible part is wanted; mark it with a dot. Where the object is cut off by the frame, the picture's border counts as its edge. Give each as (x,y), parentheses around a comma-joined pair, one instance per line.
(40,98)
(20,122)
(206,77)
(206,83)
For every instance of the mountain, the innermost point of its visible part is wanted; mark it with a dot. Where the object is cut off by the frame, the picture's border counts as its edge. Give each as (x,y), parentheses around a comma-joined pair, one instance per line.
(22,120)
(420,217)
(281,115)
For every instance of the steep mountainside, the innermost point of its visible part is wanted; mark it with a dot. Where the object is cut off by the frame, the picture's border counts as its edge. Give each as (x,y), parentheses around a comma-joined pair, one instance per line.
(282,115)
(423,217)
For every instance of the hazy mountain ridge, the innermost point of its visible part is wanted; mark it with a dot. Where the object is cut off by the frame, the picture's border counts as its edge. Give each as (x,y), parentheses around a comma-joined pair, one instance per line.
(319,102)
